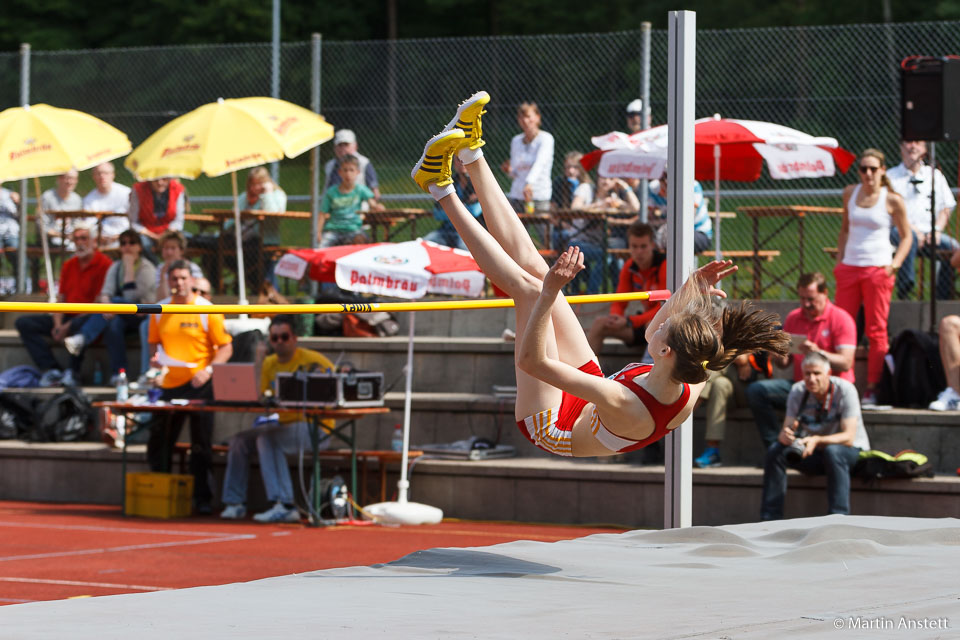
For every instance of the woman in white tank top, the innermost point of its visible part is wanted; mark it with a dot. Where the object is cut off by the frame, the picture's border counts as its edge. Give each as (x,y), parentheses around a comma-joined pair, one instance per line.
(867,265)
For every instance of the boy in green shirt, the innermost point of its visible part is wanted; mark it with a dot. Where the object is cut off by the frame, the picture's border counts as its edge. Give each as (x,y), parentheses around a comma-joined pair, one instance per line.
(343,203)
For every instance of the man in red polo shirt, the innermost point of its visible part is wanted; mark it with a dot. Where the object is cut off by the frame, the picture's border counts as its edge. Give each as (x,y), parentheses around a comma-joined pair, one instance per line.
(830,331)
(81,279)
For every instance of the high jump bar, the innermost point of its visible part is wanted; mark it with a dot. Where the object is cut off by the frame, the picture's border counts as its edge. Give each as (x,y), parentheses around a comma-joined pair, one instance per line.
(346,307)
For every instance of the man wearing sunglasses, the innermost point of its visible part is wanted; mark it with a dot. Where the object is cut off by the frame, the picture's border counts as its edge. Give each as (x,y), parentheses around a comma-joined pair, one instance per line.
(913,179)
(822,434)
(191,343)
(273,441)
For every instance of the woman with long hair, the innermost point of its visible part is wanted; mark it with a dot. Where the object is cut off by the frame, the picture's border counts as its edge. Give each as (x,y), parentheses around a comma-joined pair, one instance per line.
(564,404)
(866,264)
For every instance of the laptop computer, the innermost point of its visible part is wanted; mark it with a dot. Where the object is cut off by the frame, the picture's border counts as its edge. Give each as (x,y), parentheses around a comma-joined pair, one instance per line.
(235,382)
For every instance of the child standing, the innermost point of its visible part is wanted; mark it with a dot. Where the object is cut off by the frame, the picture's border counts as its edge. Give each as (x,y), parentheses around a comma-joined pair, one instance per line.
(344,203)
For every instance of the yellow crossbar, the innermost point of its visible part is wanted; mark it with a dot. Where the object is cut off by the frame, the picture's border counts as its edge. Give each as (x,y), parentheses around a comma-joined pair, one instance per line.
(425,305)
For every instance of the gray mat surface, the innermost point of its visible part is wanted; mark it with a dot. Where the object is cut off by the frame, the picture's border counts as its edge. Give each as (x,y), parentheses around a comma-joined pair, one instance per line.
(836,577)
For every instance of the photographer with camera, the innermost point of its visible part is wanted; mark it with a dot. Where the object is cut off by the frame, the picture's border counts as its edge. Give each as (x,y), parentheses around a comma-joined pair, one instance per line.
(823,433)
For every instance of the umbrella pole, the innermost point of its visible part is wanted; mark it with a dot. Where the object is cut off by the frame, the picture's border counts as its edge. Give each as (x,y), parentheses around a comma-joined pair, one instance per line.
(241,278)
(716,202)
(403,485)
(41,223)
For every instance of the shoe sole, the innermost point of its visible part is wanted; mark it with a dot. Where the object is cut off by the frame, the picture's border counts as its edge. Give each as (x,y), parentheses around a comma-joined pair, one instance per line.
(432,163)
(481,97)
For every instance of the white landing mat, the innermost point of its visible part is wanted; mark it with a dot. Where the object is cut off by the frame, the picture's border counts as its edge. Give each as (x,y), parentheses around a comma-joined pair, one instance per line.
(831,577)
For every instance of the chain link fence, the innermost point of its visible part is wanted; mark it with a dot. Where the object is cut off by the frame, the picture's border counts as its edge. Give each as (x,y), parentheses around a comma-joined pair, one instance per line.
(840,81)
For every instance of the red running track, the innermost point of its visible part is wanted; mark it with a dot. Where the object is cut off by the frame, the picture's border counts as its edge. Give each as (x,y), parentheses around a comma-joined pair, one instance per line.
(56,551)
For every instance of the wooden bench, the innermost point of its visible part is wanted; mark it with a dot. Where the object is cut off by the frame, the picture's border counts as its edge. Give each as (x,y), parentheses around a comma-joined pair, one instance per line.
(382,457)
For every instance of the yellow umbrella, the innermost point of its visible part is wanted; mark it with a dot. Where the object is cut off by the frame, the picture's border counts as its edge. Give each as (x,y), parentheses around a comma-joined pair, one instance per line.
(227,136)
(40,140)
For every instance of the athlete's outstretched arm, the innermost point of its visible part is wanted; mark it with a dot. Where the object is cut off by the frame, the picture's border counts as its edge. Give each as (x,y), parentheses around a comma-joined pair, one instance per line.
(709,275)
(532,353)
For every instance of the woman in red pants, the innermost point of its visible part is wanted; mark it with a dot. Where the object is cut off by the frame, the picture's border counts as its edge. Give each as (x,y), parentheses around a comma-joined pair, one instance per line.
(866,264)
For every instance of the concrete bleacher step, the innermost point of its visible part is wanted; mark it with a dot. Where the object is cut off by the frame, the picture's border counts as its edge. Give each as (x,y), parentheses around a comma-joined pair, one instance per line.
(555,490)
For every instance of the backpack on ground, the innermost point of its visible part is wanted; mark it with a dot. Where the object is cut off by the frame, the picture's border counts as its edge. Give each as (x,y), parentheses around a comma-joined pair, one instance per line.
(17,414)
(875,465)
(67,417)
(917,375)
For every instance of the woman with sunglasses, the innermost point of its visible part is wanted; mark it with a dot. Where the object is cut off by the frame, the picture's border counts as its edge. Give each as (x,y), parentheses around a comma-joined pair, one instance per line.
(865,270)
(132,278)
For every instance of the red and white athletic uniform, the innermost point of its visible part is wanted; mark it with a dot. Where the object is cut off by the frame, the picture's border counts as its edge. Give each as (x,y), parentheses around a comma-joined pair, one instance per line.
(552,429)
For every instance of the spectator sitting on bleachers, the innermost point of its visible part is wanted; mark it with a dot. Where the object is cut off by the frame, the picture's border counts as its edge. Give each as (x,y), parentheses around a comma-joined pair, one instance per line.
(172,246)
(824,420)
(61,198)
(9,221)
(262,194)
(132,278)
(345,144)
(289,434)
(702,227)
(156,206)
(344,202)
(829,330)
(635,116)
(726,389)
(81,280)
(446,234)
(193,342)
(914,180)
(646,270)
(108,196)
(949,398)
(574,190)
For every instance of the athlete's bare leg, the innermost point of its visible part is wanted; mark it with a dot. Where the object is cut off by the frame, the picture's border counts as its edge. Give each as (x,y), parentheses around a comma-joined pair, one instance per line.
(509,232)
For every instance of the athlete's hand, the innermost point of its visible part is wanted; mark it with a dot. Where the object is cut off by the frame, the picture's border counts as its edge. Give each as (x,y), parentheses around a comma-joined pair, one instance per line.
(715,271)
(565,269)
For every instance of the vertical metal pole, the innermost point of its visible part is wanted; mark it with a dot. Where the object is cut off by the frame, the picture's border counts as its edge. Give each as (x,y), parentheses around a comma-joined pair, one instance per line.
(22,244)
(678,483)
(933,228)
(275,73)
(645,98)
(315,42)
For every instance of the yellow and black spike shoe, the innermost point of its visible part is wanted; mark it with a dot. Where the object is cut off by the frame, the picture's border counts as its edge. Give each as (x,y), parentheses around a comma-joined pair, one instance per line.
(434,165)
(468,119)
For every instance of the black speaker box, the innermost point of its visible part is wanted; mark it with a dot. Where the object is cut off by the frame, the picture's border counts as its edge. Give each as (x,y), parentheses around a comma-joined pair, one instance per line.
(930,99)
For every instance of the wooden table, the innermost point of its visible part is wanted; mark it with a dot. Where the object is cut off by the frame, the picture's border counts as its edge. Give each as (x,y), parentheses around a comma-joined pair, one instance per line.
(790,213)
(219,218)
(316,414)
(391,221)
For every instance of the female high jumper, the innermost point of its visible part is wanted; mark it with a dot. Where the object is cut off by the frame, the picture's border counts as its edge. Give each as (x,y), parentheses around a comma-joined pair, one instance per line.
(564,404)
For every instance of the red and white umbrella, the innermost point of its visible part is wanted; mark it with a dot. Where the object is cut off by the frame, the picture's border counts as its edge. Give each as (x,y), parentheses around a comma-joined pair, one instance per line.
(745,144)
(402,270)
(399,269)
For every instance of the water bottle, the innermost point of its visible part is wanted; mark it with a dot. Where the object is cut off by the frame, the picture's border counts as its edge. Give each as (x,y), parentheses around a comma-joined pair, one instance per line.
(123,390)
(396,443)
(97,374)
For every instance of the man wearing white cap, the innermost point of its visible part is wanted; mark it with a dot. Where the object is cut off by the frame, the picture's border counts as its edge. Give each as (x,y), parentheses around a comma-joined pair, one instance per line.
(345,144)
(635,116)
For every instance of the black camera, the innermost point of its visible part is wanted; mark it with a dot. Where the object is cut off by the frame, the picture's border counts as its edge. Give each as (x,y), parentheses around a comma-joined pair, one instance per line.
(794,453)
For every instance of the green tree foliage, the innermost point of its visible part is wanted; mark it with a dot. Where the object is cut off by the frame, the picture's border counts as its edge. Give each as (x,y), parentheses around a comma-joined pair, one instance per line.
(63,24)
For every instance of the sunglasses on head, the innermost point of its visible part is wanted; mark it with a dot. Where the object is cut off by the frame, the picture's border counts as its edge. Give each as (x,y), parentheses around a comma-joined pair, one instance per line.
(866,169)
(279,337)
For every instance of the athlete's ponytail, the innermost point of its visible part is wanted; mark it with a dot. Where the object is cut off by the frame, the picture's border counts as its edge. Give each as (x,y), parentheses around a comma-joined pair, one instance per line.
(703,338)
